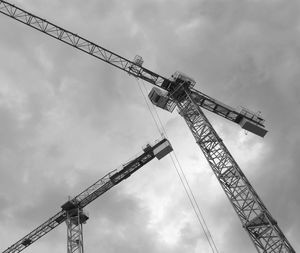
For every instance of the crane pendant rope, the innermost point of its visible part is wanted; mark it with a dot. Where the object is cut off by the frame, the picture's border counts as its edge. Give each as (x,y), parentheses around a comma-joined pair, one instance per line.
(180,172)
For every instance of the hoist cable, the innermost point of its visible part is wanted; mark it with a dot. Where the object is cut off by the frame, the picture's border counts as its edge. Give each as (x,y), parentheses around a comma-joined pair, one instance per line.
(182,176)
(156,124)
(185,179)
(194,202)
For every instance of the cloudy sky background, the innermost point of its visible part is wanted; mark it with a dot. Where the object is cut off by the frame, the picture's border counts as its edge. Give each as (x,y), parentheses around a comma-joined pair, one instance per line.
(67,119)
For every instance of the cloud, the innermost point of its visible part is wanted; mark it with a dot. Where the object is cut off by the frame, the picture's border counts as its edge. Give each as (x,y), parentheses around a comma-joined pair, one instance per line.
(67,119)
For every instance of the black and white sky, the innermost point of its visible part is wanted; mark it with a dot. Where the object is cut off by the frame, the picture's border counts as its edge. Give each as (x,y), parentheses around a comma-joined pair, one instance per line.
(66,119)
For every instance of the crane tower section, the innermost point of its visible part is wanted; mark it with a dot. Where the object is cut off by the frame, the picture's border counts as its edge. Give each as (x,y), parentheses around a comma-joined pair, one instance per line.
(256,219)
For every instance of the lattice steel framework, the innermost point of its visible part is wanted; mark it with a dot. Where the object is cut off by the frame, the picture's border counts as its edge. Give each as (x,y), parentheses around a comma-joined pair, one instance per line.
(74,221)
(256,219)
(72,210)
(78,42)
(131,67)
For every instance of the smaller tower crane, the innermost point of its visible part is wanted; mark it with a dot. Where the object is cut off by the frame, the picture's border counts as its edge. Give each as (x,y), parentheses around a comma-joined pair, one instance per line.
(72,211)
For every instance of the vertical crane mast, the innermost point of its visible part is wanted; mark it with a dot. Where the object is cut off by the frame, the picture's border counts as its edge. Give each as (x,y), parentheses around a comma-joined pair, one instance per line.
(256,219)
(75,218)
(178,91)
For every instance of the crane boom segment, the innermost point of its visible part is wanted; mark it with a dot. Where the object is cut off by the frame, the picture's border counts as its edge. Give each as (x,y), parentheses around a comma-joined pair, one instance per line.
(131,67)
(246,119)
(159,150)
(215,106)
(37,233)
(112,178)
(80,43)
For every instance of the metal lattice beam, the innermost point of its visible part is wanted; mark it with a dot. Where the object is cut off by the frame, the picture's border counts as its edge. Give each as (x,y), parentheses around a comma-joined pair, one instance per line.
(159,150)
(131,67)
(36,234)
(257,221)
(74,221)
(79,43)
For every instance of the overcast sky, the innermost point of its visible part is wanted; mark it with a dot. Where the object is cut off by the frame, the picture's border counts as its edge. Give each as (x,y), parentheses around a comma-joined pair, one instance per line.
(67,119)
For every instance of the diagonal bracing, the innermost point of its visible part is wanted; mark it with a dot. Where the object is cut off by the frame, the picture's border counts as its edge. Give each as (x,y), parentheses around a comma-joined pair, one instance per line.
(256,220)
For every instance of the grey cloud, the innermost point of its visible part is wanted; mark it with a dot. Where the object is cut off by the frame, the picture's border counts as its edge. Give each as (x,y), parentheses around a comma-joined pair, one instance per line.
(241,52)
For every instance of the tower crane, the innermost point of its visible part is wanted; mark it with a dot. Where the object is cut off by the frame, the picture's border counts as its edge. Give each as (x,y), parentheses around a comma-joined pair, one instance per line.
(72,211)
(178,91)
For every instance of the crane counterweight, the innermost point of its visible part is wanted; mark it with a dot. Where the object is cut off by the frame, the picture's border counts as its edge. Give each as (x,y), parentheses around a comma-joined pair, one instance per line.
(252,122)
(252,127)
(162,149)
(161,99)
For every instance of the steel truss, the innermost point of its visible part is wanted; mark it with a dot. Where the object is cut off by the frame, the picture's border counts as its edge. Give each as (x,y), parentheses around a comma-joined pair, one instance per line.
(256,219)
(72,210)
(78,42)
(131,67)
(74,221)
(36,234)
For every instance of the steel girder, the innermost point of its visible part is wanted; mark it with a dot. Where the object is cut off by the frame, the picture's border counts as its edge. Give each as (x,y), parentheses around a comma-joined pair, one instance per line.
(115,60)
(73,206)
(256,220)
(37,233)
(254,216)
(74,221)
(79,42)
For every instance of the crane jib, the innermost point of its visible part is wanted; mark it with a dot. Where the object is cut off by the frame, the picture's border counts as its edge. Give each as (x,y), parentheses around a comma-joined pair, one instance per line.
(159,150)
(256,220)
(133,68)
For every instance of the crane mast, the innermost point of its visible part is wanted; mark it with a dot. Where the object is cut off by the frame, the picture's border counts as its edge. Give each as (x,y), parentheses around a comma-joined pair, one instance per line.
(72,210)
(256,219)
(178,91)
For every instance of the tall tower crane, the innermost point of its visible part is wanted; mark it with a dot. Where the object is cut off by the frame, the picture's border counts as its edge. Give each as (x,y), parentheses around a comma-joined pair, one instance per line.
(178,91)
(72,211)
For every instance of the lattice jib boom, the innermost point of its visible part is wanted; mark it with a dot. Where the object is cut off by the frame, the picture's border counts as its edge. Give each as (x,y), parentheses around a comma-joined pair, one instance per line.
(134,67)
(159,150)
(36,234)
(80,43)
